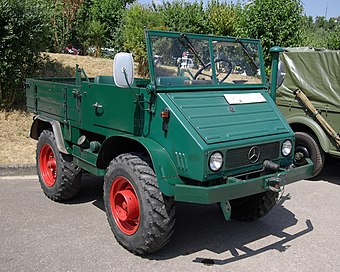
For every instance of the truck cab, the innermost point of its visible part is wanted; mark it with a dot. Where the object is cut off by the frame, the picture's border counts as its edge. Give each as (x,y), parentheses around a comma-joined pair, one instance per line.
(208,132)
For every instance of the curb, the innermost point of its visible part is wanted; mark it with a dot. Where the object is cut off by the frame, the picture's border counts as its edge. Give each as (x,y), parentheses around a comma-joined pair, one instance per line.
(18,170)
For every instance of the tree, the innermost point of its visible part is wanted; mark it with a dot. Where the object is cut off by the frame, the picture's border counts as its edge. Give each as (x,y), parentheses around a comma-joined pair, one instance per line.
(275,22)
(184,16)
(321,22)
(96,34)
(222,17)
(82,23)
(23,34)
(110,13)
(63,16)
(135,19)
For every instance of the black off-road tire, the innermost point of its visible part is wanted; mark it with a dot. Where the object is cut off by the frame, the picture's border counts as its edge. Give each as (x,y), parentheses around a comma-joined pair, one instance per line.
(59,177)
(310,148)
(253,207)
(150,229)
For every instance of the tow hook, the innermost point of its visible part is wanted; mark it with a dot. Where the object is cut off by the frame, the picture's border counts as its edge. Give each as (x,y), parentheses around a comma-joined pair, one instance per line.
(276,184)
(273,183)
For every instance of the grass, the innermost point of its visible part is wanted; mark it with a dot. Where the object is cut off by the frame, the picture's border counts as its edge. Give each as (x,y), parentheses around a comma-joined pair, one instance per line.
(16,146)
(92,66)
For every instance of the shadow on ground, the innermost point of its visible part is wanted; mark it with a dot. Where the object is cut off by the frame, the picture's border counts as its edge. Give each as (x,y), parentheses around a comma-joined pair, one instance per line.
(202,227)
(330,172)
(91,190)
(52,68)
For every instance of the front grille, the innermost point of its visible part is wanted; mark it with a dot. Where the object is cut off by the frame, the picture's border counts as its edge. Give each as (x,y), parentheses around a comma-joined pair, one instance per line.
(239,157)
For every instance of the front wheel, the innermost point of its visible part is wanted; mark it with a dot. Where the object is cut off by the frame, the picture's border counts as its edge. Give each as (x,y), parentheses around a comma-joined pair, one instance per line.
(307,147)
(141,217)
(253,207)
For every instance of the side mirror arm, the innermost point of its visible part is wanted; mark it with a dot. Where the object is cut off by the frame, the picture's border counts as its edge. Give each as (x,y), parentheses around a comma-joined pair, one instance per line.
(275,51)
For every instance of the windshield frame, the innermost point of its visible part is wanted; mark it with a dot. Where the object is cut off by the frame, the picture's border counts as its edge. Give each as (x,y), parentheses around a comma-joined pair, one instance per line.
(149,34)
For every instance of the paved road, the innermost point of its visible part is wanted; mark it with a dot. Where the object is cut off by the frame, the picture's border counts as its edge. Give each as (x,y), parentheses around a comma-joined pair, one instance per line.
(300,234)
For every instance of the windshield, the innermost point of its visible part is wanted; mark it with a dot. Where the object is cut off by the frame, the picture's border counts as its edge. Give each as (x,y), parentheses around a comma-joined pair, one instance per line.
(187,60)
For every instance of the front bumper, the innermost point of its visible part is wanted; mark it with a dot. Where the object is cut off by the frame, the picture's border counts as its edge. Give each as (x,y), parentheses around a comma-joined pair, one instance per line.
(236,188)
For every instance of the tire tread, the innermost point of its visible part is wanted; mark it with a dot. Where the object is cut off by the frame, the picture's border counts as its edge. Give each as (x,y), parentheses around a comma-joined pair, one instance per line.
(162,209)
(70,179)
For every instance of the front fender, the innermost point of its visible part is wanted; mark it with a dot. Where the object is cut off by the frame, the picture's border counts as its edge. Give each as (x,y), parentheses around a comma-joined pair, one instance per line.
(314,126)
(164,166)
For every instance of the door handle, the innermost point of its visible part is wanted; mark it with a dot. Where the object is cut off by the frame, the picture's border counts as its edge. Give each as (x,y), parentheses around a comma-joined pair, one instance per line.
(76,93)
(97,105)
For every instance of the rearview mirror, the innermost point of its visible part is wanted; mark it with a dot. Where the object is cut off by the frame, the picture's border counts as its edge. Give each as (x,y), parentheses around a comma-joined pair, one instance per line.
(123,70)
(280,74)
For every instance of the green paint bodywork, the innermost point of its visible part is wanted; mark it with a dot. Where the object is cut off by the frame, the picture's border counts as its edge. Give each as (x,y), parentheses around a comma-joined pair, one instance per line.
(235,188)
(275,51)
(201,122)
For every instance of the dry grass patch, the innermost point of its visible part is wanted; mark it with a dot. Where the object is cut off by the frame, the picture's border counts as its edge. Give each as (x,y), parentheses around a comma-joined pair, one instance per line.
(16,146)
(92,66)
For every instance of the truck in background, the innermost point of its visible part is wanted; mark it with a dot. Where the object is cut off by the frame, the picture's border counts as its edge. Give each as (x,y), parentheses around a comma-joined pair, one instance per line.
(309,97)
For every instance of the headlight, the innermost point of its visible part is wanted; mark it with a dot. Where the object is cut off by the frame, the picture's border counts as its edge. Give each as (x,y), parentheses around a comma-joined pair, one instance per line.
(286,147)
(215,161)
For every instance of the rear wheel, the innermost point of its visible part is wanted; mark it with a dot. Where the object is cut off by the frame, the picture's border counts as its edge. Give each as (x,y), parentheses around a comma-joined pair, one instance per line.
(253,207)
(141,217)
(59,177)
(307,147)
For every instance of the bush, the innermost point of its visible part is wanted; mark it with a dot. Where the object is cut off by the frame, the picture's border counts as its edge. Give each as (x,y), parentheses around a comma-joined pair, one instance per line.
(321,33)
(333,41)
(22,37)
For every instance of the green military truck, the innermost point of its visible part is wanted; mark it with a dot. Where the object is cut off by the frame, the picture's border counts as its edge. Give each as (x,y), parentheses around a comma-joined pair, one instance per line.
(204,133)
(309,98)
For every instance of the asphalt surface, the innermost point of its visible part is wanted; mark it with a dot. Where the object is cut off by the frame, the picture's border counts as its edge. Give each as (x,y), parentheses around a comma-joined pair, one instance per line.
(17,169)
(300,234)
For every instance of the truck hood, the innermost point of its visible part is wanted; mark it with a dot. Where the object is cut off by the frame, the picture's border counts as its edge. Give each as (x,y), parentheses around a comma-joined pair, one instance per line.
(230,116)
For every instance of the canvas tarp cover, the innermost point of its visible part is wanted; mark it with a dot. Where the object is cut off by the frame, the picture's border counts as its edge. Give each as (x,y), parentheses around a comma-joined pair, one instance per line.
(314,71)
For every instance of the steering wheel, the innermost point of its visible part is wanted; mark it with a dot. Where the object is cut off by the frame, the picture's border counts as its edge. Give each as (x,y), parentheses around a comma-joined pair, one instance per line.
(228,72)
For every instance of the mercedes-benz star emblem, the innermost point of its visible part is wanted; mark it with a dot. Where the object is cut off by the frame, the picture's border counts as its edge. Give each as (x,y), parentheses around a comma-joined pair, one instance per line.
(254,154)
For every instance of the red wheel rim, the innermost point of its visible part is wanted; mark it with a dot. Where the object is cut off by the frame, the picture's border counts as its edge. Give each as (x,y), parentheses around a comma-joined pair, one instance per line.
(124,205)
(48,165)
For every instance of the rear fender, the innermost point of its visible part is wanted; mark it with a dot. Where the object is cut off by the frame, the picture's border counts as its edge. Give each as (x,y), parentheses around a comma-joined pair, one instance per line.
(41,123)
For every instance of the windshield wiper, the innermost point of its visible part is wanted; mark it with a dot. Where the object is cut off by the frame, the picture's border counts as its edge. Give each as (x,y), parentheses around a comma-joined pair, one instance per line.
(244,48)
(184,40)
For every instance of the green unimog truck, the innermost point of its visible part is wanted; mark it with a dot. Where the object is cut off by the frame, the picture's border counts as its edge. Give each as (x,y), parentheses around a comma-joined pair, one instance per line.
(202,132)
(309,98)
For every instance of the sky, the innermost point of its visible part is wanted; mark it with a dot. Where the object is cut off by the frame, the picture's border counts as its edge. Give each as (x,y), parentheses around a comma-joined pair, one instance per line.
(318,8)
(312,7)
